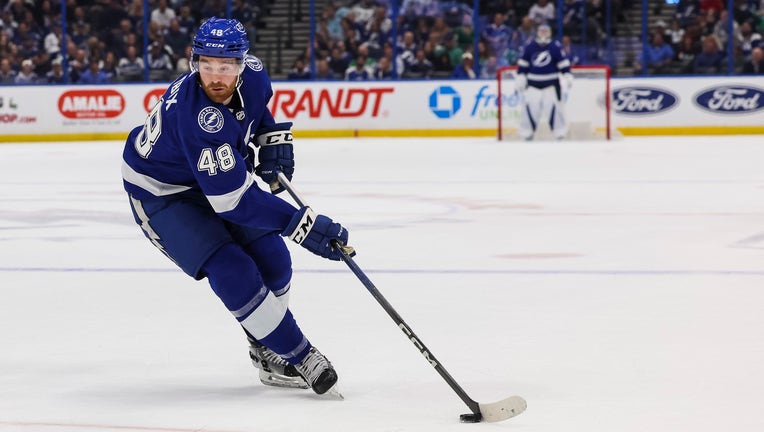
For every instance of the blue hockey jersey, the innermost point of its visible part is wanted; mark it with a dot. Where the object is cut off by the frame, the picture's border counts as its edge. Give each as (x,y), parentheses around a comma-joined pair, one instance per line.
(543,63)
(193,146)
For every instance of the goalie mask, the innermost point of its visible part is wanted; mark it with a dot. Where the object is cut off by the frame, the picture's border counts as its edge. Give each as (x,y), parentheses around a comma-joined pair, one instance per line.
(225,38)
(543,34)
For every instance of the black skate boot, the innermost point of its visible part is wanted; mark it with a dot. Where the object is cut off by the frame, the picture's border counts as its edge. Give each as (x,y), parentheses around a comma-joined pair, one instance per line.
(274,370)
(318,372)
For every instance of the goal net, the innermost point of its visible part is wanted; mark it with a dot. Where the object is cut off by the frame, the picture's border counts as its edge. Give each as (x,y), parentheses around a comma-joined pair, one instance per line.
(587,105)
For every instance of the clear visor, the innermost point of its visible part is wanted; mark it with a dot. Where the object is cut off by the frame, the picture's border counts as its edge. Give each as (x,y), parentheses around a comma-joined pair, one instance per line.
(217,66)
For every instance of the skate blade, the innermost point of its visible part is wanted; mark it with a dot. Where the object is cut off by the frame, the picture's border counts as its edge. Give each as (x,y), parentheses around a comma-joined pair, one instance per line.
(276,380)
(333,394)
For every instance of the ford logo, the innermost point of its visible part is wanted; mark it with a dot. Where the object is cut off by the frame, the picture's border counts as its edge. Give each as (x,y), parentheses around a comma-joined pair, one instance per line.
(731,99)
(643,100)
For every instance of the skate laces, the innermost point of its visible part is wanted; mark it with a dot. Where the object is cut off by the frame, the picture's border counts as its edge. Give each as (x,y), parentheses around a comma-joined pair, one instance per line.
(313,364)
(272,358)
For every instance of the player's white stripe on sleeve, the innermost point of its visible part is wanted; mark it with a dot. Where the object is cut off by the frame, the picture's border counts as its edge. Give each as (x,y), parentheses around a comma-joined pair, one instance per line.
(265,317)
(522,62)
(150,184)
(229,201)
(563,64)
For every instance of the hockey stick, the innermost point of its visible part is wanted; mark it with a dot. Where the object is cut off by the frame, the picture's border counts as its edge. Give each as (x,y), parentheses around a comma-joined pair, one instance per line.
(490,412)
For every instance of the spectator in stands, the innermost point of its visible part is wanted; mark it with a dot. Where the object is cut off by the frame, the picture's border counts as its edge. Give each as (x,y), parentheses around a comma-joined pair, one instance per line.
(160,63)
(658,55)
(186,21)
(7,74)
(176,40)
(299,72)
(687,50)
(542,12)
(80,34)
(748,39)
(497,36)
(438,30)
(674,34)
(465,35)
(182,65)
(406,51)
(359,71)
(162,16)
(412,9)
(465,69)
(363,11)
(420,68)
(109,66)
(52,41)
(77,64)
(714,6)
(721,27)
(571,52)
(383,69)
(323,72)
(26,75)
(489,68)
(711,58)
(130,67)
(93,74)
(755,65)
(56,73)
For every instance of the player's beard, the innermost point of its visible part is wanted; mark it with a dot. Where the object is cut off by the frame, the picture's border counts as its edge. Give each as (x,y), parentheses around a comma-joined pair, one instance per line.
(218,91)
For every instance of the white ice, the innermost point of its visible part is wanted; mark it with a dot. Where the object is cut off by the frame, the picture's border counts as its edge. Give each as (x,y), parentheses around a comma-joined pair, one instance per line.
(615,286)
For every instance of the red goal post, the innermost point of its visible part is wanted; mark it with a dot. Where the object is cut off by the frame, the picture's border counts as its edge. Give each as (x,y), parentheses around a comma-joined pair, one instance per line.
(587,105)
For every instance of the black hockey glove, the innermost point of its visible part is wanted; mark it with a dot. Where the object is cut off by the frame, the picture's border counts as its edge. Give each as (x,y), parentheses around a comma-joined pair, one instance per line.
(316,233)
(275,154)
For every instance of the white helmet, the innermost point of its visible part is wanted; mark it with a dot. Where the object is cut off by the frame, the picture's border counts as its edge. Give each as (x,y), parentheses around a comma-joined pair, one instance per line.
(544,34)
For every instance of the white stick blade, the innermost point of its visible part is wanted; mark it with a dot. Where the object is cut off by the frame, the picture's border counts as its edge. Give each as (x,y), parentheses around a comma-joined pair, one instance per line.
(503,409)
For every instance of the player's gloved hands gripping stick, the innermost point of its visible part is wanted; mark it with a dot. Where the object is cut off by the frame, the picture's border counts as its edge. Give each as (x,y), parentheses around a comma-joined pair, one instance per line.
(275,154)
(318,233)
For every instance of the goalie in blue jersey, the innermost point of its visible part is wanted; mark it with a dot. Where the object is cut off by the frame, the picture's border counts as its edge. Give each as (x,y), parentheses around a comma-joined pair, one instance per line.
(543,77)
(192,174)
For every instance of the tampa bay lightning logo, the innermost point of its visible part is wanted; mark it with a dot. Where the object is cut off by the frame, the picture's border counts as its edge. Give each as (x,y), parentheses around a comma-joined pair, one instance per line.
(542,59)
(445,102)
(210,119)
(254,63)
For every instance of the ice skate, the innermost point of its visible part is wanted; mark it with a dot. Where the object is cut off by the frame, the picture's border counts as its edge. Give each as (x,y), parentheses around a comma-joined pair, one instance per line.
(319,373)
(274,370)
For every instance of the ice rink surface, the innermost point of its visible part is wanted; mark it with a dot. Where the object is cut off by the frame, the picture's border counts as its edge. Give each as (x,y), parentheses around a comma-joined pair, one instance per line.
(615,286)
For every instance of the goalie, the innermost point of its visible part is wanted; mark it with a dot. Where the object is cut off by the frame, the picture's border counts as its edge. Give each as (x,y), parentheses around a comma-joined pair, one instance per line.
(543,75)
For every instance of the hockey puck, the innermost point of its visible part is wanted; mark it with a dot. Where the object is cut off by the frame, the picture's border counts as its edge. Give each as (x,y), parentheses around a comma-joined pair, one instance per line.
(470,418)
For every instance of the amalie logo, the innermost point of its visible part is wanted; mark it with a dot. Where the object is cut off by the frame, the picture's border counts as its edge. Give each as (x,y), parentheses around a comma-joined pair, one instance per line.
(91,104)
(733,99)
(643,100)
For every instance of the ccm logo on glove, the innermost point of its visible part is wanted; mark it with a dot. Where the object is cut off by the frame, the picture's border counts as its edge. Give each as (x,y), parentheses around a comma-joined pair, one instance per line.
(303,227)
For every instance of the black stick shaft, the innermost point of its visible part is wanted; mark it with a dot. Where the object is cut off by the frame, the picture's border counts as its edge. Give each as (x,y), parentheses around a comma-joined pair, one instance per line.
(405,328)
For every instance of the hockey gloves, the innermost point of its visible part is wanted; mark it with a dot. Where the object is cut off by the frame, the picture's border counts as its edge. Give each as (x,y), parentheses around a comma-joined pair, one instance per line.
(275,154)
(317,233)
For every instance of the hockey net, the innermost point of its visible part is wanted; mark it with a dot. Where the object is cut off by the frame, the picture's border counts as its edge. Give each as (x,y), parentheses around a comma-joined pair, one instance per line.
(587,107)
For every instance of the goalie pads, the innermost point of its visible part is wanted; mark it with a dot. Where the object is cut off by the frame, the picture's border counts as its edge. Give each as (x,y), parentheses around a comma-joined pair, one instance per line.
(275,153)
(521,82)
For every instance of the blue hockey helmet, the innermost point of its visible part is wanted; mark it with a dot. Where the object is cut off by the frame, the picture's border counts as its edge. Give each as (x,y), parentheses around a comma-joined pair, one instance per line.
(218,37)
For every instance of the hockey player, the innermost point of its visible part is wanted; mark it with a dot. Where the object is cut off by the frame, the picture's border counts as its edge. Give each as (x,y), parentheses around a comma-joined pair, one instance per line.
(190,173)
(543,75)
